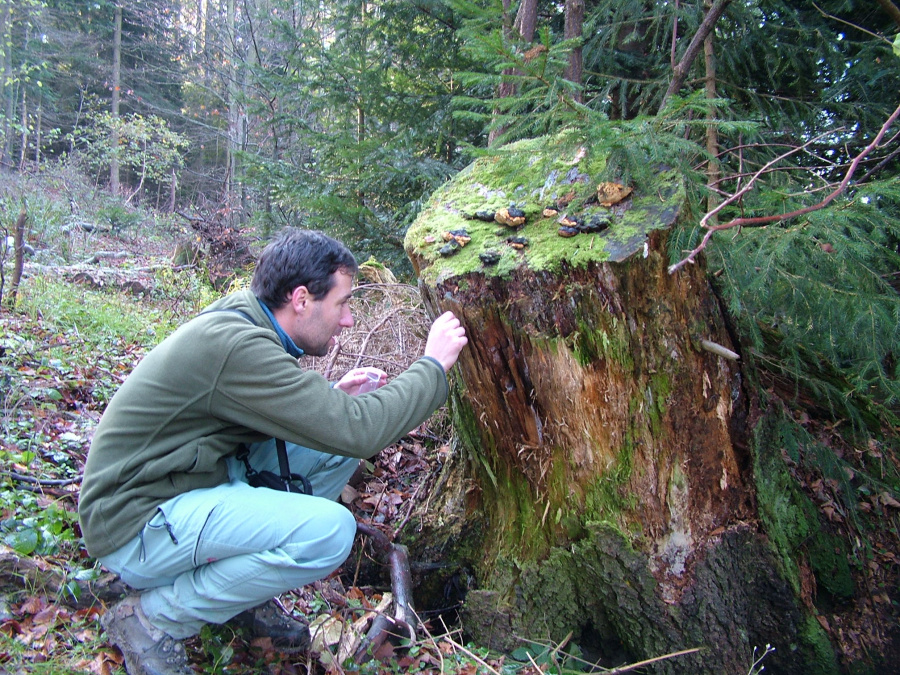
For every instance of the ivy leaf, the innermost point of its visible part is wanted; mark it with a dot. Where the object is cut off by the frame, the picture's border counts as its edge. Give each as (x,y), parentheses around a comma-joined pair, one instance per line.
(897,45)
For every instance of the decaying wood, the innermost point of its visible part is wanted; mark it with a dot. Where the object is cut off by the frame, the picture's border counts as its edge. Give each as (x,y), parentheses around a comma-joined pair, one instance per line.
(226,247)
(402,625)
(602,482)
(106,255)
(137,281)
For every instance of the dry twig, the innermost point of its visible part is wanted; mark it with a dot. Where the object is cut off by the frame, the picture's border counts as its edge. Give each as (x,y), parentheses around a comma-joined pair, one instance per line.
(765,220)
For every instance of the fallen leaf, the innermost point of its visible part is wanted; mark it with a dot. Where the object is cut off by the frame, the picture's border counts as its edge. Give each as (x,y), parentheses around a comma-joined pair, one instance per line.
(534,52)
(33,605)
(887,500)
(349,494)
(385,651)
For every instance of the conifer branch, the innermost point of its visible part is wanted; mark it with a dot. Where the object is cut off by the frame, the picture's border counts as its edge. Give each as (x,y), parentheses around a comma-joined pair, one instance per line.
(765,220)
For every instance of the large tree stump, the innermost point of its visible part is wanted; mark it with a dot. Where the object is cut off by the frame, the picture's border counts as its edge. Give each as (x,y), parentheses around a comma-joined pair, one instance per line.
(603,484)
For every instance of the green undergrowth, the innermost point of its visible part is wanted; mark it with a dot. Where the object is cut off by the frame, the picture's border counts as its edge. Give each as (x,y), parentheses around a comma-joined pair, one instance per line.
(95,316)
(64,350)
(816,299)
(68,216)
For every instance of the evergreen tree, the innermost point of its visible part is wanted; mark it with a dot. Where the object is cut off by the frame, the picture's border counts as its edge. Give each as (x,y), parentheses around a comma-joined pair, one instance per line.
(352,105)
(806,84)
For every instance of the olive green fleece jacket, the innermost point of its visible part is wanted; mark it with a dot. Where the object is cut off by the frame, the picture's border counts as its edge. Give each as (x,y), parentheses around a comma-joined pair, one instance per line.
(216,382)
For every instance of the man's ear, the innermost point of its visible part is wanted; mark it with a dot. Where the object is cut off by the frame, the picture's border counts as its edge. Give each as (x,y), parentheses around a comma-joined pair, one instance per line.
(300,299)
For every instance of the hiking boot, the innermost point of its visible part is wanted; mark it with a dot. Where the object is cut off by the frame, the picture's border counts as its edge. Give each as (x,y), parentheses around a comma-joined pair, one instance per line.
(269,620)
(147,649)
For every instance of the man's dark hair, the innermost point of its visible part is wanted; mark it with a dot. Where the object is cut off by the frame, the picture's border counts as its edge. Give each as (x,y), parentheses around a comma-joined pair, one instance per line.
(298,257)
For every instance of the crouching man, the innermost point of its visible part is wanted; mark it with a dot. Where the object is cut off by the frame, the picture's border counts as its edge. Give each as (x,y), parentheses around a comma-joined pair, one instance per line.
(164,500)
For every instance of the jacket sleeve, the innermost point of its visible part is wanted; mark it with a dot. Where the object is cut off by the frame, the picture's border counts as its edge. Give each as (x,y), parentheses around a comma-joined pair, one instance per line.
(265,389)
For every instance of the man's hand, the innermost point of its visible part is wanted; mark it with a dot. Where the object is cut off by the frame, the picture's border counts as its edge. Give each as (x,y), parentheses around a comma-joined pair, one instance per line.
(446,339)
(361,380)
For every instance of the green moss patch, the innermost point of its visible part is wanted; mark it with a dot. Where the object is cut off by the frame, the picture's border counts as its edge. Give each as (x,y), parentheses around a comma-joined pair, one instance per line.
(530,175)
(792,519)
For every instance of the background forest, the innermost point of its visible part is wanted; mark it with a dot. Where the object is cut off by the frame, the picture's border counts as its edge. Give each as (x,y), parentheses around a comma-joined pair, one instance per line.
(209,124)
(346,115)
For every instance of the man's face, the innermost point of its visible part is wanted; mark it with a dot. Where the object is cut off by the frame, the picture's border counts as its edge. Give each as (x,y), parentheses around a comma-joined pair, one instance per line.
(323,320)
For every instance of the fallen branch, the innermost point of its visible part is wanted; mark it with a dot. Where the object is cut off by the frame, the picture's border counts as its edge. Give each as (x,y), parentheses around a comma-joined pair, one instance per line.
(402,625)
(372,331)
(647,662)
(105,255)
(766,220)
(43,481)
(621,669)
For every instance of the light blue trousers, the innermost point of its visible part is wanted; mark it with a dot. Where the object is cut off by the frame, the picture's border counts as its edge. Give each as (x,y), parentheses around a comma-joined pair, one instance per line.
(209,554)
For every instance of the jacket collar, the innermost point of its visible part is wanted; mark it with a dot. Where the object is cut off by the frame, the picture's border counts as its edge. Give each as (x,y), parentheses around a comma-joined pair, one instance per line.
(286,340)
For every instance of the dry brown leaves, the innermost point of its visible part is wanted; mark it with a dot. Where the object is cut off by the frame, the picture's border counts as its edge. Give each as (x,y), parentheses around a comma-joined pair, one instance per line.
(50,631)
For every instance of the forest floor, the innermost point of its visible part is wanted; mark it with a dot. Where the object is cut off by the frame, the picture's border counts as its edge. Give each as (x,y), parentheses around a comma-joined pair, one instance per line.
(77,330)
(95,298)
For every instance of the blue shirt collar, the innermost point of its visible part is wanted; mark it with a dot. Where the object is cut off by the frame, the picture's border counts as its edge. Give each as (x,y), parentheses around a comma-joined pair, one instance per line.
(286,341)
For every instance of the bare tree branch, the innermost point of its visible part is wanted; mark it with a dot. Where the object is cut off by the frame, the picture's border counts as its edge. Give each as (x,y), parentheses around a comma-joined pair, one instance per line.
(765,220)
(680,72)
(887,5)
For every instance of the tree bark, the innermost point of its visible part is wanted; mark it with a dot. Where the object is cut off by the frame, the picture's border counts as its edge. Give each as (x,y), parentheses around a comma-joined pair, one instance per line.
(9,89)
(116,87)
(603,481)
(23,143)
(712,134)
(891,9)
(38,136)
(574,25)
(235,114)
(18,253)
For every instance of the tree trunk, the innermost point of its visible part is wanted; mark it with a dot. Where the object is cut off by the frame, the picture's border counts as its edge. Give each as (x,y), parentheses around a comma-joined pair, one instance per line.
(681,69)
(712,130)
(37,133)
(9,88)
(18,253)
(116,87)
(173,191)
(603,482)
(891,9)
(523,28)
(23,142)
(235,114)
(574,25)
